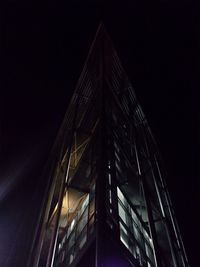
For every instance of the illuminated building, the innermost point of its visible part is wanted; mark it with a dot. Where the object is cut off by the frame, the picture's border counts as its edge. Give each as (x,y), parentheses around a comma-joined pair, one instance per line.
(106,203)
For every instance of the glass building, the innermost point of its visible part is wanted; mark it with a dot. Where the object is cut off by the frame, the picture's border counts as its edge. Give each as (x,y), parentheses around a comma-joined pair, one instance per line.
(106,203)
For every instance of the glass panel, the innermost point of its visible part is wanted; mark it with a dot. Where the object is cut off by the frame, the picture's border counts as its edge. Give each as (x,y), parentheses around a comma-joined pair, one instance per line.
(132,233)
(123,235)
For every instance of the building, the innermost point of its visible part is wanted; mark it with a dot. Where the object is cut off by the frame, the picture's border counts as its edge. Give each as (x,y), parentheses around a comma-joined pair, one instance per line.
(106,203)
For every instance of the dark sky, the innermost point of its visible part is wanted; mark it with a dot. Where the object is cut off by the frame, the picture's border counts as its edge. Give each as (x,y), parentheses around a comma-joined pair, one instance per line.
(44,49)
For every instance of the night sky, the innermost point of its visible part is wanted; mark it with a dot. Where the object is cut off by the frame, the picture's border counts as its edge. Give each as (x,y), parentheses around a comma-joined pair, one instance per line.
(44,49)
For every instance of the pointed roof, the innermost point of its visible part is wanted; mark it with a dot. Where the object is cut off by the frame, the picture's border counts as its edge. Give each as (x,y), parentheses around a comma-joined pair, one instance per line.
(103,65)
(102,68)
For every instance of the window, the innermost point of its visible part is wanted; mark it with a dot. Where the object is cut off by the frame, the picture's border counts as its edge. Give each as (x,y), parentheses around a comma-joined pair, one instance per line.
(132,234)
(123,235)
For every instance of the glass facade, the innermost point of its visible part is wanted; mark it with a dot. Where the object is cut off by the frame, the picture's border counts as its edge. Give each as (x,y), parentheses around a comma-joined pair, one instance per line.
(106,176)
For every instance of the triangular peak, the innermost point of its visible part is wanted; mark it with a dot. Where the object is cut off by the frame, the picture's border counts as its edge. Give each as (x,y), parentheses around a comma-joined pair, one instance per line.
(103,69)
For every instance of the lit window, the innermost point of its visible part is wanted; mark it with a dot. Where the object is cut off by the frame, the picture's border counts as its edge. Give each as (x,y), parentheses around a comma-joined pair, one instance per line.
(109,164)
(109,178)
(122,213)
(121,196)
(123,235)
(72,224)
